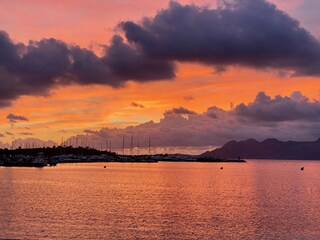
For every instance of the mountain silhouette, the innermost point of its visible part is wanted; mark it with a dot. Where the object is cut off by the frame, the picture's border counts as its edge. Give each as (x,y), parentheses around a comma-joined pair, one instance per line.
(268,149)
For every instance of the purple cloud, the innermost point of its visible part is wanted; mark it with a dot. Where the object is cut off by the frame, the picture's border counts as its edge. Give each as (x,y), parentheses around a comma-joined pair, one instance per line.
(238,33)
(14,118)
(295,107)
(36,68)
(216,126)
(134,104)
(180,111)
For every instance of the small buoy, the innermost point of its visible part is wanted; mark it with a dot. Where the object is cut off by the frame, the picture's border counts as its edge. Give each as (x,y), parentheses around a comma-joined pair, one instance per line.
(104,166)
(302,168)
(221,168)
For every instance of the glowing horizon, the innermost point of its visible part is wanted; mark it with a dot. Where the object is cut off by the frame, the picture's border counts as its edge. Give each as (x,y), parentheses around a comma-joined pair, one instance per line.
(68,110)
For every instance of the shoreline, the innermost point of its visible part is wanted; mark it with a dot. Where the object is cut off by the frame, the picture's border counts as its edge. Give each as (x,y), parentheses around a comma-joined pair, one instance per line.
(149,161)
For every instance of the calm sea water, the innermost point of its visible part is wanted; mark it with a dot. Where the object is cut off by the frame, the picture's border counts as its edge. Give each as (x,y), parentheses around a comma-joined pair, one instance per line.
(255,200)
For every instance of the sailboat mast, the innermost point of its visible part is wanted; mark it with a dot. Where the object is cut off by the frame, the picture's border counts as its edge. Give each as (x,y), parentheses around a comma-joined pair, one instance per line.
(123,145)
(131,145)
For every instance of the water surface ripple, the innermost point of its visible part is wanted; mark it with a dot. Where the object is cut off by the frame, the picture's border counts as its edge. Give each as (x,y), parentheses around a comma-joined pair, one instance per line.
(256,200)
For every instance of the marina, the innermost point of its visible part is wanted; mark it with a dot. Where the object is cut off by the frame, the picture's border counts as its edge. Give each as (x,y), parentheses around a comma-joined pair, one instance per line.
(42,157)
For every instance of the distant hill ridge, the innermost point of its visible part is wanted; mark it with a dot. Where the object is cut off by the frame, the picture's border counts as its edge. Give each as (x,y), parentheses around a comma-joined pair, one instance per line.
(268,149)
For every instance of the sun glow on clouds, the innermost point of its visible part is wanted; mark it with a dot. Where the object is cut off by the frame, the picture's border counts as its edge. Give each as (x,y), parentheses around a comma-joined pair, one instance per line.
(68,110)
(96,107)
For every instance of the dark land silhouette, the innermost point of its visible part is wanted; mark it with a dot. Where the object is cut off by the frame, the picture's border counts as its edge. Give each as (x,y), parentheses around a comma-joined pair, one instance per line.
(267,149)
(41,157)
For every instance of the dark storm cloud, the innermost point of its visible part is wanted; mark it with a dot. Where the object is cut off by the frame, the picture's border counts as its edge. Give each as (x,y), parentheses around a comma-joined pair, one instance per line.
(120,63)
(14,118)
(31,69)
(295,107)
(134,104)
(9,133)
(128,62)
(36,68)
(242,32)
(1,135)
(180,111)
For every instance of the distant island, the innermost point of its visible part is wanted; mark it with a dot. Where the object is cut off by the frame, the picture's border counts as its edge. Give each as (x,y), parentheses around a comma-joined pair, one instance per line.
(267,149)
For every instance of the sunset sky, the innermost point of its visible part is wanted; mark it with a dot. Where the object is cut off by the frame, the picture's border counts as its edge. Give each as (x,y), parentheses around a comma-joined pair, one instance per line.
(186,73)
